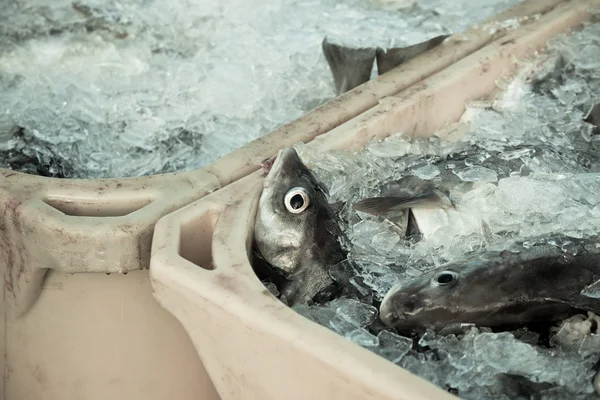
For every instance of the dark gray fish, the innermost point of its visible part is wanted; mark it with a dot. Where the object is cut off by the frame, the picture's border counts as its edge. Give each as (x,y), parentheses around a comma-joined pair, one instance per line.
(296,231)
(350,67)
(391,58)
(507,289)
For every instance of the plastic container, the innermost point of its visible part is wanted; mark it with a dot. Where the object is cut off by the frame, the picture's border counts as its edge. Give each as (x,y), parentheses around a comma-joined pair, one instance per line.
(252,345)
(73,332)
(70,330)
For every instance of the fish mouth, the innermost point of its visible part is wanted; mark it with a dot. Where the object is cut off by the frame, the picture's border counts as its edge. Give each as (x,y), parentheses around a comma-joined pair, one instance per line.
(403,321)
(286,160)
(389,314)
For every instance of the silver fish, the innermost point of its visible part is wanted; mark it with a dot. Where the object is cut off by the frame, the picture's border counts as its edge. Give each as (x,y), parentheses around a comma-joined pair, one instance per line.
(296,231)
(511,288)
(412,191)
(445,189)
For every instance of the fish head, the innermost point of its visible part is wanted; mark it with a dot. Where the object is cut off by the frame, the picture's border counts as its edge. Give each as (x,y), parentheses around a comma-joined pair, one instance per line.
(506,288)
(292,217)
(433,300)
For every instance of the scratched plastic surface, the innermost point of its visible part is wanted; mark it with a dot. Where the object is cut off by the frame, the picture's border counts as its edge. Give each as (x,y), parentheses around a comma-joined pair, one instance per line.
(534,165)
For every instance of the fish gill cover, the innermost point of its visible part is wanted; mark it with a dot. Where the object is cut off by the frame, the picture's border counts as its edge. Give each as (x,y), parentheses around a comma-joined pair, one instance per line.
(530,167)
(97,89)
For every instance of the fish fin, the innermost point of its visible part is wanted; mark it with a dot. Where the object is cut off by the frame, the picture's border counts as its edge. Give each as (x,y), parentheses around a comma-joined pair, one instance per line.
(592,291)
(593,116)
(381,205)
(412,227)
(390,59)
(350,67)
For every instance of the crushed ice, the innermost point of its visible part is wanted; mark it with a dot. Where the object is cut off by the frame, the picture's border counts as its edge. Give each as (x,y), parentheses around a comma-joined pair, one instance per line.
(531,166)
(127,88)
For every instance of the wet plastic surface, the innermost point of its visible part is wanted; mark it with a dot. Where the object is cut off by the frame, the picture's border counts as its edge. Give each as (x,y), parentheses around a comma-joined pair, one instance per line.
(252,345)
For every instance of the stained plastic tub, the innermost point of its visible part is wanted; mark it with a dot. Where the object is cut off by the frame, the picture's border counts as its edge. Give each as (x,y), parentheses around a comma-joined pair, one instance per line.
(252,345)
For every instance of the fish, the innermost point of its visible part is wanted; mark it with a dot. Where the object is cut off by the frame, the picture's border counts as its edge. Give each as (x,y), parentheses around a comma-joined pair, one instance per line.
(544,281)
(351,67)
(446,188)
(411,194)
(412,191)
(388,59)
(519,387)
(297,232)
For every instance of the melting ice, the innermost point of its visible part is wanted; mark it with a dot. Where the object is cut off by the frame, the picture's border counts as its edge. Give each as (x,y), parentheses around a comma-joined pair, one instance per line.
(126,88)
(529,165)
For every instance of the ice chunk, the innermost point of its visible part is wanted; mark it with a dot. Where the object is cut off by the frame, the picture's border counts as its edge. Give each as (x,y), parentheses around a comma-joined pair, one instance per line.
(392,347)
(355,312)
(371,235)
(427,172)
(390,147)
(380,281)
(341,315)
(363,338)
(481,358)
(477,173)
(575,334)
(341,325)
(523,195)
(385,242)
(319,314)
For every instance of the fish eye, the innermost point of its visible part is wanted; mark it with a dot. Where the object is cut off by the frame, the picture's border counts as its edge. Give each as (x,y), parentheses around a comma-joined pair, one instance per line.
(445,278)
(297,200)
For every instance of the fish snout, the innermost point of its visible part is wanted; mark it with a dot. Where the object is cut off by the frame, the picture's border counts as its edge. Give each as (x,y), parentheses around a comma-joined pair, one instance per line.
(389,314)
(400,306)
